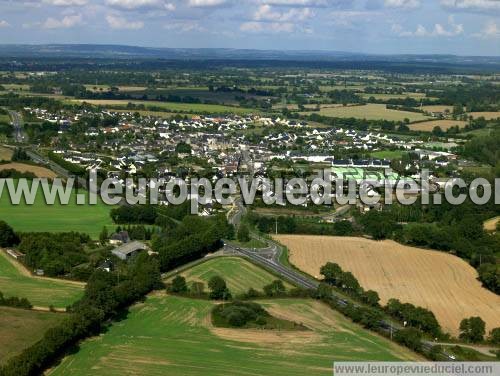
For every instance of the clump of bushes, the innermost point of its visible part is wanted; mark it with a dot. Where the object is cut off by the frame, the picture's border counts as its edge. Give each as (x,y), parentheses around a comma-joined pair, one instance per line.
(239,314)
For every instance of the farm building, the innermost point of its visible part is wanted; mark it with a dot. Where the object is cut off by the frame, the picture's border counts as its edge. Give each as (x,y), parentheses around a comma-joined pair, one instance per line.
(128,250)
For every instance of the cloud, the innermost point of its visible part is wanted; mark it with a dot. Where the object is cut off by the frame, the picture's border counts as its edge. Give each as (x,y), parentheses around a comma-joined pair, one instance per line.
(122,23)
(66,3)
(140,4)
(490,30)
(471,5)
(4,24)
(184,26)
(206,3)
(64,23)
(275,27)
(408,4)
(267,13)
(439,30)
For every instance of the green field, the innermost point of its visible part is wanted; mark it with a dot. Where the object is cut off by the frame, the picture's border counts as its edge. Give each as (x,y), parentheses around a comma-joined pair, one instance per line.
(173,336)
(21,328)
(41,292)
(388,154)
(394,96)
(370,112)
(239,274)
(40,217)
(169,106)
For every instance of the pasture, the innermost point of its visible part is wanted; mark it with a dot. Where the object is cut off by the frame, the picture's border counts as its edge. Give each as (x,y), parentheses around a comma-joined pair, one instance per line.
(428,126)
(169,335)
(40,217)
(232,269)
(168,106)
(15,280)
(21,328)
(38,171)
(445,284)
(370,112)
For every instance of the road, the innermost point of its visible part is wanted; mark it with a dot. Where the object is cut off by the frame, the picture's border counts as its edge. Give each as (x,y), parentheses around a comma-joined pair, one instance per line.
(18,126)
(269,258)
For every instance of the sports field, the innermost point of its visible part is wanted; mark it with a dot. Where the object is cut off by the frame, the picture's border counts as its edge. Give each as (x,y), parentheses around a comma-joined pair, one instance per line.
(238,273)
(370,112)
(169,335)
(388,154)
(21,328)
(15,280)
(41,217)
(169,106)
(428,126)
(443,283)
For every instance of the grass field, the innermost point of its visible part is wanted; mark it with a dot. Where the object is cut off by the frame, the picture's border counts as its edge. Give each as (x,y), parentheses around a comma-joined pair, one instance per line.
(370,112)
(174,336)
(491,224)
(428,126)
(40,172)
(41,217)
(443,283)
(6,153)
(42,292)
(167,106)
(388,154)
(394,96)
(21,328)
(486,115)
(232,269)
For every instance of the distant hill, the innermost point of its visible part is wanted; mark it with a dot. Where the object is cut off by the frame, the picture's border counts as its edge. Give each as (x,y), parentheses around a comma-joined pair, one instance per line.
(120,51)
(248,57)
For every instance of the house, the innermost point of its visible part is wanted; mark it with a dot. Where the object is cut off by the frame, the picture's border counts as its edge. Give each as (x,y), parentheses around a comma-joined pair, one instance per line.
(15,254)
(128,250)
(106,265)
(119,238)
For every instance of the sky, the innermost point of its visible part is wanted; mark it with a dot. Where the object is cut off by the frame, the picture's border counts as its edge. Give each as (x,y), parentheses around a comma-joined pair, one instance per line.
(461,27)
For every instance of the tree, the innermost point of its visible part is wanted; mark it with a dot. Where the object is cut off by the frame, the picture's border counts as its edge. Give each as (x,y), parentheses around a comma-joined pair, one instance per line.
(331,272)
(243,233)
(179,285)
(7,236)
(472,329)
(218,289)
(104,236)
(371,297)
(410,337)
(495,336)
(275,288)
(183,148)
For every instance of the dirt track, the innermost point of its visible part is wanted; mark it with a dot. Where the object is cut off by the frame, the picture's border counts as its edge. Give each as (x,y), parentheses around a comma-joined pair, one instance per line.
(443,283)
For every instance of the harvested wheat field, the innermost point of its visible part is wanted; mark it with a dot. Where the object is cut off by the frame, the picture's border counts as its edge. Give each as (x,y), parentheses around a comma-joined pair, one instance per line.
(487,115)
(443,283)
(428,126)
(40,172)
(491,224)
